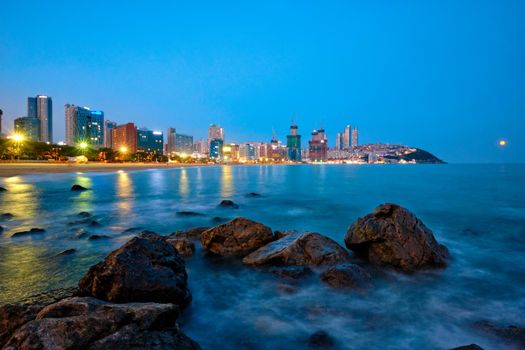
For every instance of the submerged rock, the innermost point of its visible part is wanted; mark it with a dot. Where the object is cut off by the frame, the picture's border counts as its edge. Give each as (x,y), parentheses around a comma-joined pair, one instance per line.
(393,236)
(253,195)
(34,230)
(226,203)
(6,216)
(66,252)
(88,323)
(133,230)
(189,213)
(300,248)
(84,214)
(320,340)
(3,189)
(347,276)
(77,187)
(1,229)
(192,234)
(236,238)
(468,347)
(218,219)
(291,272)
(97,237)
(145,269)
(94,223)
(184,246)
(514,335)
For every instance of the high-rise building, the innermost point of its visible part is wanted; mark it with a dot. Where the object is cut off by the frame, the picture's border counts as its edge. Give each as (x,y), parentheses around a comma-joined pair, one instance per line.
(265,151)
(84,126)
(215,132)
(247,152)
(216,146)
(355,137)
(293,142)
(28,128)
(1,120)
(170,139)
(183,143)
(149,141)
(125,138)
(346,137)
(339,141)
(41,107)
(201,147)
(318,146)
(108,133)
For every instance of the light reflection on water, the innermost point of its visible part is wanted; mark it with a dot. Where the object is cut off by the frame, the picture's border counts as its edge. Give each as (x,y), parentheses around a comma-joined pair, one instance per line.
(477,211)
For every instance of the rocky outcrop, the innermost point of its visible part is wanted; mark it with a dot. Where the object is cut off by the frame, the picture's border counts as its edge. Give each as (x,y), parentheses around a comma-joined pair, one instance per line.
(13,316)
(145,269)
(513,335)
(191,234)
(347,276)
(226,203)
(393,236)
(300,248)
(33,231)
(183,246)
(89,323)
(236,238)
(77,187)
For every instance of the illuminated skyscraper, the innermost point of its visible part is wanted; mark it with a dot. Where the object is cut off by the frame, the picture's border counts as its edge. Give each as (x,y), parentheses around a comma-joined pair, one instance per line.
(355,136)
(216,149)
(84,125)
(318,146)
(293,142)
(150,142)
(28,128)
(108,133)
(346,137)
(41,107)
(125,138)
(170,139)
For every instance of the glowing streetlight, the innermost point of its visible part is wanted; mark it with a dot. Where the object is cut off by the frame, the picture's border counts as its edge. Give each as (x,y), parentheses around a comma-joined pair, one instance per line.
(17,137)
(83,145)
(123,149)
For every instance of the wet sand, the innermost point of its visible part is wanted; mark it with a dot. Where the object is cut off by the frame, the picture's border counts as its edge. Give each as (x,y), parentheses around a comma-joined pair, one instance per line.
(27,168)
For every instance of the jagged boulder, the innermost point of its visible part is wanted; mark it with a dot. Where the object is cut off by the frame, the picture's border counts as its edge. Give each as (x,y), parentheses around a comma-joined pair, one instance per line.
(299,248)
(347,276)
(236,238)
(145,269)
(89,323)
(393,236)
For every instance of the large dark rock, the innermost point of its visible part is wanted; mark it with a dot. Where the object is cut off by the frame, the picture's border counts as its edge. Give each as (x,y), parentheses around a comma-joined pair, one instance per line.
(191,234)
(513,335)
(89,323)
(226,203)
(77,187)
(393,236)
(33,231)
(184,246)
(146,268)
(299,248)
(347,276)
(15,315)
(236,238)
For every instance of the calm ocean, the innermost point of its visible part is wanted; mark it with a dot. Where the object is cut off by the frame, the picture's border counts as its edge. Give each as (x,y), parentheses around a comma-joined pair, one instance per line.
(477,211)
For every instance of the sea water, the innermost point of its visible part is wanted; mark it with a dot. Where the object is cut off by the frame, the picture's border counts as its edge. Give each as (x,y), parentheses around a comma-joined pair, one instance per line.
(477,211)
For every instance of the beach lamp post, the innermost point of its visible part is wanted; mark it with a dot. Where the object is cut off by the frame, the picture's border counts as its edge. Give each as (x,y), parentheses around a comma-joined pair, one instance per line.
(83,146)
(123,151)
(17,138)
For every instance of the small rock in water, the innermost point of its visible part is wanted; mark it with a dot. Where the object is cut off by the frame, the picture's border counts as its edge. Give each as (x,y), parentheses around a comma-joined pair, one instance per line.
(393,236)
(347,276)
(2,189)
(6,216)
(77,187)
(97,237)
(218,219)
(236,238)
(511,334)
(226,203)
(1,229)
(192,234)
(81,233)
(133,229)
(183,245)
(291,272)
(34,230)
(320,340)
(66,252)
(253,195)
(188,213)
(468,347)
(94,223)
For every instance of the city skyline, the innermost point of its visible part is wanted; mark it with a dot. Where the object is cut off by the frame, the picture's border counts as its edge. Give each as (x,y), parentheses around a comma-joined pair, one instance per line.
(402,76)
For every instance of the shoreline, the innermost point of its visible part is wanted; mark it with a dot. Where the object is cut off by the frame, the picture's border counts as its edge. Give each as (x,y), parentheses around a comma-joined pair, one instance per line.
(35,168)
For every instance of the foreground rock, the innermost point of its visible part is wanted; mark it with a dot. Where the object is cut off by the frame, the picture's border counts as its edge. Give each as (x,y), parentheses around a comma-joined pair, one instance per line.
(393,236)
(13,316)
(299,248)
(183,246)
(347,276)
(88,323)
(145,269)
(77,187)
(513,335)
(236,238)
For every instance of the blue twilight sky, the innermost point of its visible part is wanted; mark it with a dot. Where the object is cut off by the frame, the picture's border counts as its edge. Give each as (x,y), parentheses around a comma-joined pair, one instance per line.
(446,76)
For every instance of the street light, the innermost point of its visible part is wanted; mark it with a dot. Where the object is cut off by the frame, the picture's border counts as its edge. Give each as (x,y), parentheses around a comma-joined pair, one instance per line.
(123,149)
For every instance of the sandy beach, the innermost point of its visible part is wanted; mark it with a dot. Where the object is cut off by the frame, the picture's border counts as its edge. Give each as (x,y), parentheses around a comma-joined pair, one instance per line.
(9,169)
